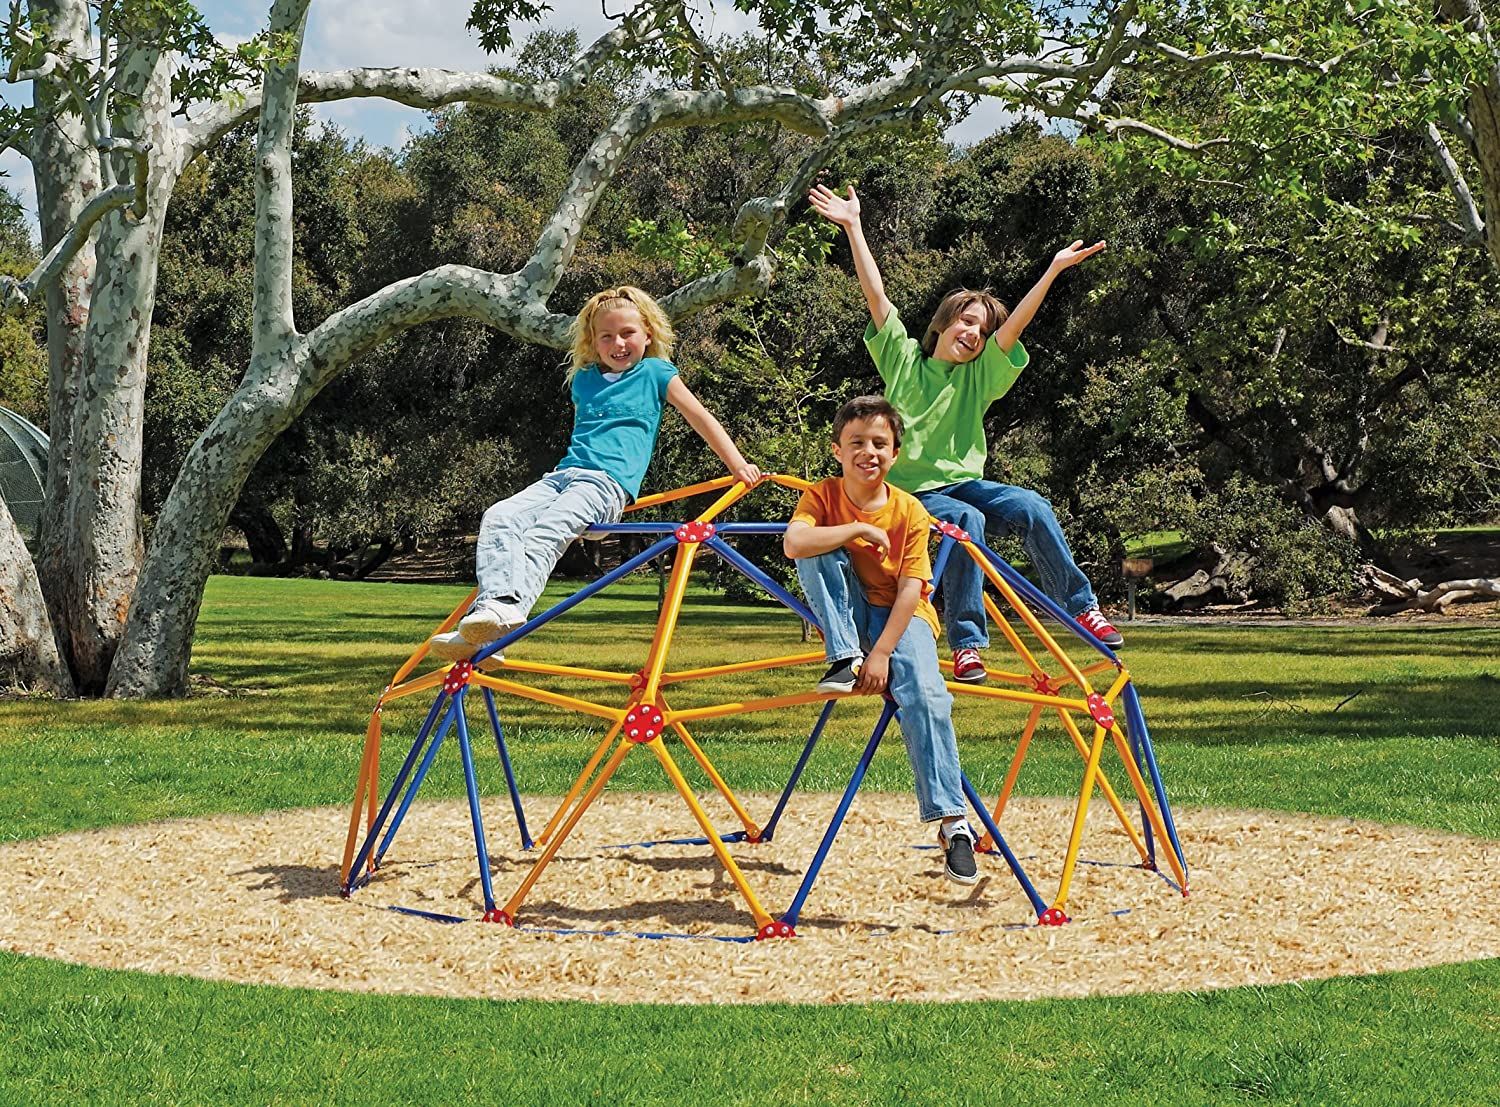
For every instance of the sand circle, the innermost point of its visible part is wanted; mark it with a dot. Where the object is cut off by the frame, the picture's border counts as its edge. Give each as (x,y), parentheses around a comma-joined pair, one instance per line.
(1274,897)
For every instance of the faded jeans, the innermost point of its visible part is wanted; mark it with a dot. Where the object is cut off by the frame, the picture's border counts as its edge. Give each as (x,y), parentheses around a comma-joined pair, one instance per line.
(522,538)
(980,506)
(851,625)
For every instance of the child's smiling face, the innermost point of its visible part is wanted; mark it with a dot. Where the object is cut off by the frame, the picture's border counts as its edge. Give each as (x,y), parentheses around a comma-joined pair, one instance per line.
(866,449)
(620,339)
(963,339)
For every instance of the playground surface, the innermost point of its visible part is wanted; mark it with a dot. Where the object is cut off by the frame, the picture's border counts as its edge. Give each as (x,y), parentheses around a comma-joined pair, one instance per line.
(254,899)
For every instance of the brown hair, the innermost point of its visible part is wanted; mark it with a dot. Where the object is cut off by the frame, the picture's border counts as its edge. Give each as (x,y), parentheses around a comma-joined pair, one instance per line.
(653,318)
(953,306)
(868,407)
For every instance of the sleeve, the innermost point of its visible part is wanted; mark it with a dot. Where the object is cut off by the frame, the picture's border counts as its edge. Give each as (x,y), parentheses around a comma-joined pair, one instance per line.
(915,560)
(809,509)
(664,371)
(893,350)
(999,370)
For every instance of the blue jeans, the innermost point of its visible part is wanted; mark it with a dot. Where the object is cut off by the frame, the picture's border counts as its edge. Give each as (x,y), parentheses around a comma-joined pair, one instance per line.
(522,538)
(851,624)
(983,506)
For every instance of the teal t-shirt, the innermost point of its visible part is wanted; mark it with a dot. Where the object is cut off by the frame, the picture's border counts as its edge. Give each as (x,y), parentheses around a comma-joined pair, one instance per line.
(941,403)
(615,422)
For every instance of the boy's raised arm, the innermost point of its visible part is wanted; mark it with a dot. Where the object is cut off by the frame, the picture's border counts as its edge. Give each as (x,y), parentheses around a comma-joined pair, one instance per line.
(845,212)
(1026,310)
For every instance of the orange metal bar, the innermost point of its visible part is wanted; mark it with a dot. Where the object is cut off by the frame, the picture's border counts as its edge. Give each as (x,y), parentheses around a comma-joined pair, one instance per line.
(758,912)
(743,667)
(372,742)
(666,623)
(786,480)
(681,493)
(1070,860)
(544,669)
(1010,695)
(514,903)
(541,695)
(1011,636)
(1032,623)
(1152,814)
(1104,786)
(1015,768)
(421,651)
(583,777)
(707,766)
(411,687)
(718,711)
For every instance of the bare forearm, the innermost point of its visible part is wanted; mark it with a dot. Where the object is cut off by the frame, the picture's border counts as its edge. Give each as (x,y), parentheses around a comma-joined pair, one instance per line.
(908,595)
(805,541)
(868,272)
(1024,312)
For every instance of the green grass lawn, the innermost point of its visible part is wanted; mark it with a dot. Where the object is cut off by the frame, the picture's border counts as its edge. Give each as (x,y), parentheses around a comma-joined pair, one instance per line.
(1252,717)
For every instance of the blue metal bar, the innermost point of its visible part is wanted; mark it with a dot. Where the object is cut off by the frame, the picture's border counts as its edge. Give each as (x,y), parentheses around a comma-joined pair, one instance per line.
(510,776)
(790,918)
(786,793)
(577,597)
(471,784)
(1031,592)
(1137,720)
(1133,733)
(417,778)
(669,528)
(1010,858)
(945,551)
(390,799)
(739,561)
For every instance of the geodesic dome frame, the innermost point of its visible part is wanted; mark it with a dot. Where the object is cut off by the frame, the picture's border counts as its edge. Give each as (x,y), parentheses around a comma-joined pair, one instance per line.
(23,470)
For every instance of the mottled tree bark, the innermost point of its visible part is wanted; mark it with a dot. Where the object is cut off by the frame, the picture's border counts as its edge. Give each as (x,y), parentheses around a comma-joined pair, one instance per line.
(29,657)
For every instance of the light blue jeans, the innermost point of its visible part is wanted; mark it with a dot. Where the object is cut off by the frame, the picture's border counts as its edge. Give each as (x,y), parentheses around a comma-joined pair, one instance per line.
(521,538)
(851,625)
(983,506)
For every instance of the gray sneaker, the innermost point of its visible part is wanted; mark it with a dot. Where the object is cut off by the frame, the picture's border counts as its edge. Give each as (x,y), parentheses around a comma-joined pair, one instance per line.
(488,620)
(451,646)
(958,854)
(840,676)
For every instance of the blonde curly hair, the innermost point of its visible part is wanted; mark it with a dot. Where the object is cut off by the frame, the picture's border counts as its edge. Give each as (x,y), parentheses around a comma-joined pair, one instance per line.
(658,326)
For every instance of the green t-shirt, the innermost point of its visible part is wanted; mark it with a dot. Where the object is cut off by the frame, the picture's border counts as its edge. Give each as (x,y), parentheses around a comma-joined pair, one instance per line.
(942,404)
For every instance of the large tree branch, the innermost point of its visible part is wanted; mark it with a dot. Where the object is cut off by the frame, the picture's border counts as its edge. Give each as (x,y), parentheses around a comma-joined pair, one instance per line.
(1468,211)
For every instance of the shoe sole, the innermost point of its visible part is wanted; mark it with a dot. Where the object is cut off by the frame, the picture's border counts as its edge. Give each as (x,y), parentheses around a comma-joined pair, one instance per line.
(831,687)
(449,652)
(965,881)
(972,678)
(481,632)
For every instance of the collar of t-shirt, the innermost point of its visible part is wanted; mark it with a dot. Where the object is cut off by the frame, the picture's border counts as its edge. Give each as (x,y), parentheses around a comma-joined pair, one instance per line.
(613,377)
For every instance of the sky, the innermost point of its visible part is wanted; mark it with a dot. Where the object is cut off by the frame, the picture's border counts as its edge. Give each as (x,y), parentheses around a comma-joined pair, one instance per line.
(350,33)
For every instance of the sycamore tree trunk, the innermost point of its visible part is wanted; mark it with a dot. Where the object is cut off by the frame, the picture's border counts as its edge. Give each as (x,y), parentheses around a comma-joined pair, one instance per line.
(29,657)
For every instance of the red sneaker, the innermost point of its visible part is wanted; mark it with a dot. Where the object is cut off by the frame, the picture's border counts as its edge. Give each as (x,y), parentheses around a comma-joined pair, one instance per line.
(1095,623)
(968,666)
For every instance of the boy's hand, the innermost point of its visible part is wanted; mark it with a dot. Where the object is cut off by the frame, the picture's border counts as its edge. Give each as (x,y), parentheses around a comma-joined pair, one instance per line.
(749,474)
(833,207)
(873,535)
(874,674)
(1074,253)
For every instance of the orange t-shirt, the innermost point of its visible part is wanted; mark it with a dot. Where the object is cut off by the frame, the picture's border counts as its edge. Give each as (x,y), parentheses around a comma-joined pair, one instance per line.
(903,518)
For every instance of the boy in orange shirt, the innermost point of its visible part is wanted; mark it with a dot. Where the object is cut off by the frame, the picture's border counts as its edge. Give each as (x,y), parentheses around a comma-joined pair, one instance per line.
(860,546)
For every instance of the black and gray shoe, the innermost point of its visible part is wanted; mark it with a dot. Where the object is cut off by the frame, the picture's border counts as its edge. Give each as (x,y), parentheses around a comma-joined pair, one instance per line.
(958,854)
(840,676)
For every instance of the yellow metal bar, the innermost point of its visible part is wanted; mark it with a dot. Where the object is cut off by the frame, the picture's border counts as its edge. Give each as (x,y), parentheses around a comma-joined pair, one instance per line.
(544,669)
(724,502)
(719,711)
(742,667)
(681,493)
(1003,675)
(666,623)
(1010,634)
(1090,771)
(1033,623)
(758,912)
(1099,667)
(372,739)
(514,903)
(1014,771)
(1104,786)
(1153,816)
(541,695)
(582,780)
(1015,695)
(786,480)
(411,687)
(707,766)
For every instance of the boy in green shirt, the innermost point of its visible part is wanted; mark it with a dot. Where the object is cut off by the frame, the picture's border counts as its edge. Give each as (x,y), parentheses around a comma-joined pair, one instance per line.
(969,357)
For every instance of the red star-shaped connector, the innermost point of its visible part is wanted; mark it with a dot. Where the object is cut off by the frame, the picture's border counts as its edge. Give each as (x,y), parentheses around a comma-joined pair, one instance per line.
(695,532)
(458,676)
(1103,714)
(952,530)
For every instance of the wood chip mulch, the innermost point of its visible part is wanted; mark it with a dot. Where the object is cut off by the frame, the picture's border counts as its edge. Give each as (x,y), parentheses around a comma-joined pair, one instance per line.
(1274,897)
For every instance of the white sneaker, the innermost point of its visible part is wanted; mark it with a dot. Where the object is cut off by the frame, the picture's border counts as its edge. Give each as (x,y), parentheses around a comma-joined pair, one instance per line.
(488,620)
(451,646)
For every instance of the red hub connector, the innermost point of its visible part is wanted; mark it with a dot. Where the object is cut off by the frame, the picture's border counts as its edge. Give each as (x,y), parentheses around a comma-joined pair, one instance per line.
(1042,684)
(458,676)
(1103,714)
(775,929)
(495,915)
(952,530)
(695,532)
(643,723)
(1053,916)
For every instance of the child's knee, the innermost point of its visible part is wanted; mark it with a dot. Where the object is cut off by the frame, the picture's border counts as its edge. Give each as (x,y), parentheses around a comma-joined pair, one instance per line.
(1033,507)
